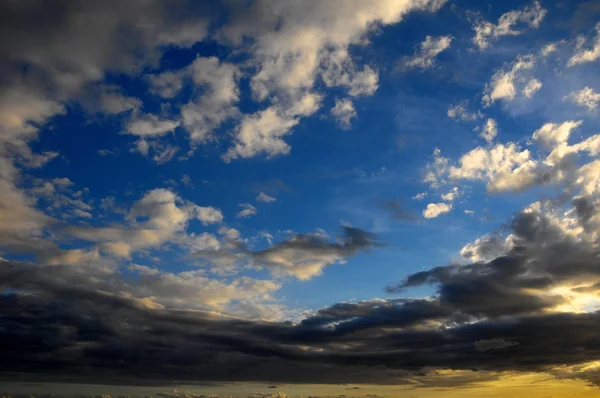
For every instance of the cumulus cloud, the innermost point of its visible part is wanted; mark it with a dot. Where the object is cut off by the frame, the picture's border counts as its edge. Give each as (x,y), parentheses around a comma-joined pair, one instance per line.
(247,210)
(583,55)
(264,198)
(504,83)
(428,51)
(489,131)
(585,98)
(531,88)
(343,112)
(435,210)
(460,112)
(294,46)
(486,32)
(216,84)
(306,255)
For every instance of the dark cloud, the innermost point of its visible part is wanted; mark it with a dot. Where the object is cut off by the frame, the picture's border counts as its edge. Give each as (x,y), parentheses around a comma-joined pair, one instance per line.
(398,212)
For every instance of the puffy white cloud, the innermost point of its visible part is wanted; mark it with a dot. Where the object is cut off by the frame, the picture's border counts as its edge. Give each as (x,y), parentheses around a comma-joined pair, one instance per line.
(485,248)
(344,112)
(434,210)
(503,85)
(263,131)
(459,112)
(264,198)
(248,210)
(489,131)
(551,135)
(586,98)
(451,196)
(218,82)
(293,46)
(531,88)
(160,216)
(112,101)
(582,55)
(485,31)
(150,126)
(420,196)
(505,167)
(549,49)
(428,51)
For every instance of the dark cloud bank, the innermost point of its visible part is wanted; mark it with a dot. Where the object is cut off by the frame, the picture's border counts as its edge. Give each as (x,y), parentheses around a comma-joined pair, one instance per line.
(58,323)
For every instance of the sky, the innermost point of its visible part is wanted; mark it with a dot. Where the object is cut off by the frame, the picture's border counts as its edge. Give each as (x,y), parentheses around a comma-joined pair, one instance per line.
(394,198)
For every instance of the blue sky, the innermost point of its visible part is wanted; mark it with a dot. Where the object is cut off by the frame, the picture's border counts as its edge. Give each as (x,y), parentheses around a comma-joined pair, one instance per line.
(331,175)
(265,161)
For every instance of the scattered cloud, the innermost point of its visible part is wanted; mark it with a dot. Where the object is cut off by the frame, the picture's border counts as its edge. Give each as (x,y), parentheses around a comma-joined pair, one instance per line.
(344,112)
(248,210)
(428,51)
(435,210)
(264,198)
(586,98)
(486,32)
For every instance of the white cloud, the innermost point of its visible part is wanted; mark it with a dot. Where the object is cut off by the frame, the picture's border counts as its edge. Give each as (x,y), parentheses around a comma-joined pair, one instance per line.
(434,210)
(531,88)
(549,49)
(451,196)
(420,196)
(504,82)
(248,210)
(263,197)
(344,112)
(489,131)
(586,98)
(551,135)
(263,131)
(428,51)
(218,83)
(582,55)
(459,112)
(485,32)
(208,215)
(485,248)
(160,216)
(293,46)
(112,101)
(151,126)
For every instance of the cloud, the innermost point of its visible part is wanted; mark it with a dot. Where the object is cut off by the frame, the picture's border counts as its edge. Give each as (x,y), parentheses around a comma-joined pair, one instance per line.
(451,196)
(586,98)
(160,216)
(263,132)
(248,210)
(216,84)
(493,344)
(293,47)
(507,167)
(459,112)
(264,198)
(503,85)
(486,32)
(420,196)
(304,256)
(435,210)
(582,55)
(489,131)
(150,126)
(398,211)
(428,51)
(344,112)
(531,88)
